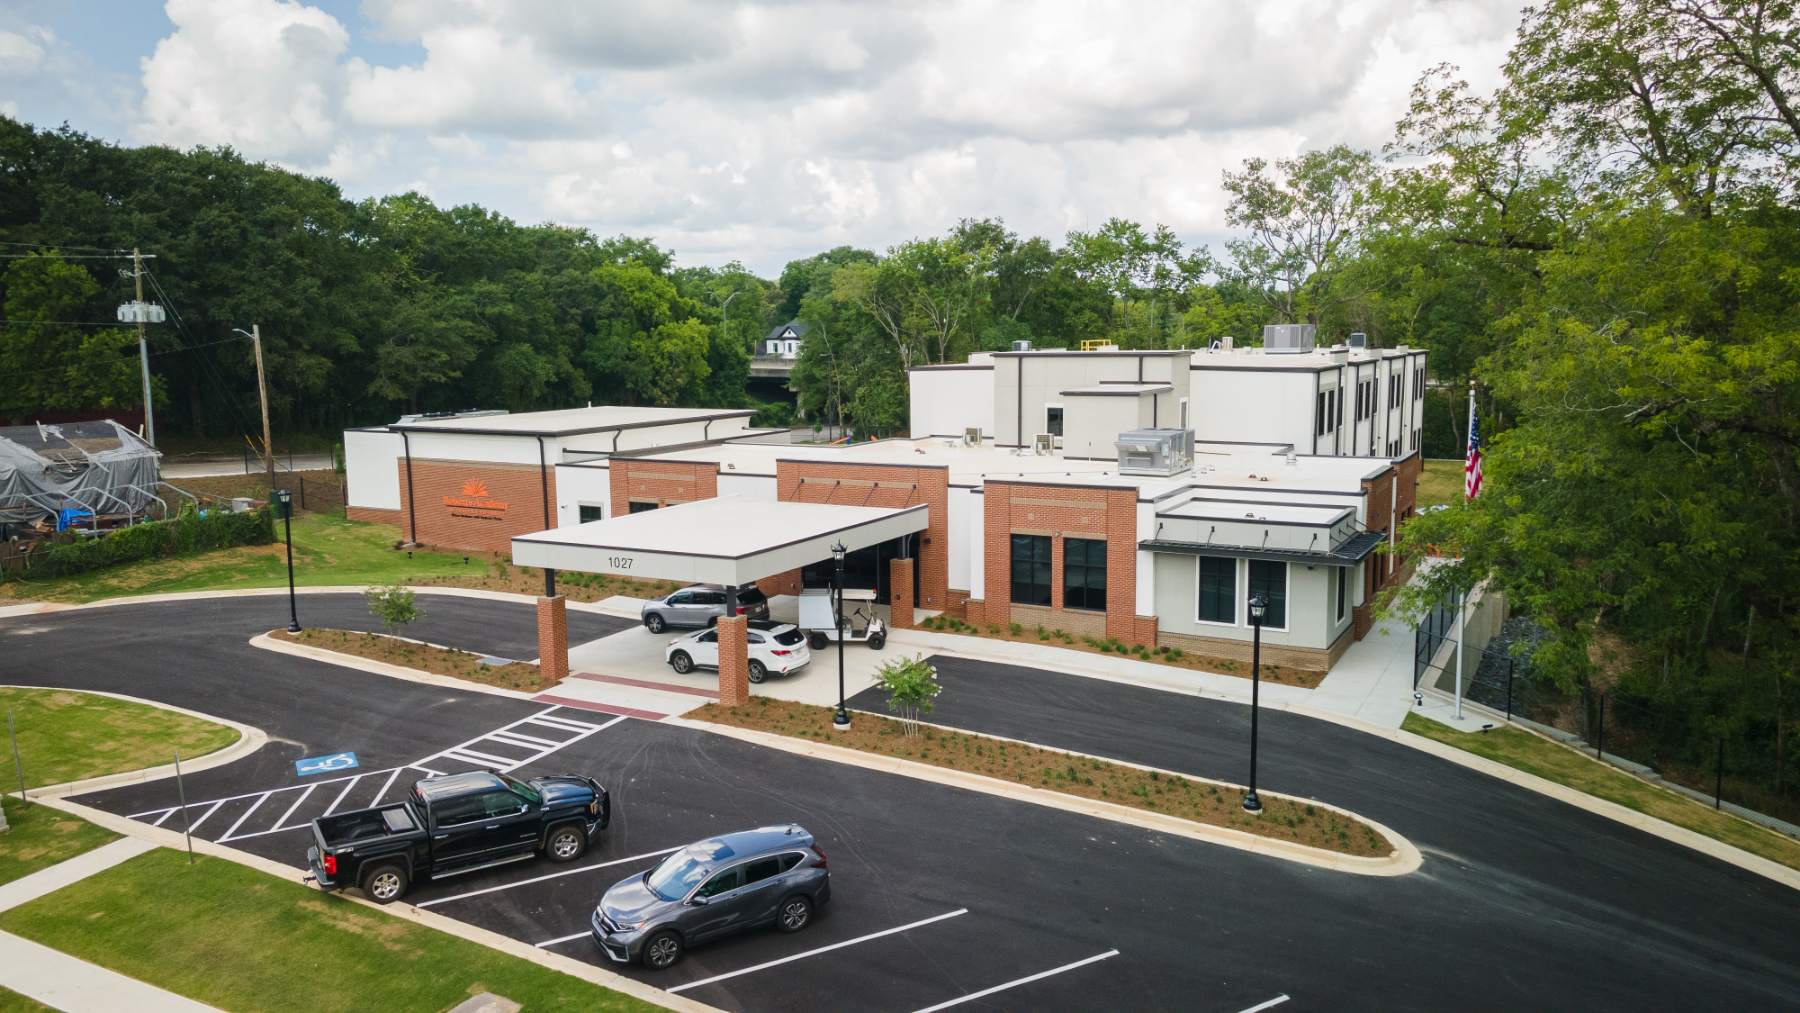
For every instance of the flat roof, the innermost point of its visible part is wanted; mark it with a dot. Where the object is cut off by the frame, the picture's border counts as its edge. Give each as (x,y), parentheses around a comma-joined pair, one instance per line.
(1318,359)
(570,421)
(1120,389)
(1256,513)
(724,540)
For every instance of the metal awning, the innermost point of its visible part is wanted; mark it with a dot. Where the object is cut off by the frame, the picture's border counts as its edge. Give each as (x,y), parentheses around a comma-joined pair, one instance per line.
(726,540)
(1355,549)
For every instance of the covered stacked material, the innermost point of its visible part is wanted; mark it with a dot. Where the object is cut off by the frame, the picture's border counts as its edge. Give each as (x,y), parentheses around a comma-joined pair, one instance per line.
(98,466)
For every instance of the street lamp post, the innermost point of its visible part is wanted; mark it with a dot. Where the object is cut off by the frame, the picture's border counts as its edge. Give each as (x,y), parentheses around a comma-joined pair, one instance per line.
(1253,804)
(842,721)
(287,523)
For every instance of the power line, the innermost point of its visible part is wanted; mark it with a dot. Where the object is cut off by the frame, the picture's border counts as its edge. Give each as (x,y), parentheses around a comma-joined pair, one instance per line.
(101,362)
(70,323)
(206,364)
(65,246)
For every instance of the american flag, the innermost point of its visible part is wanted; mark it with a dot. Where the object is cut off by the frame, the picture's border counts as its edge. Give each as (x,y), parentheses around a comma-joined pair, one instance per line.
(1472,463)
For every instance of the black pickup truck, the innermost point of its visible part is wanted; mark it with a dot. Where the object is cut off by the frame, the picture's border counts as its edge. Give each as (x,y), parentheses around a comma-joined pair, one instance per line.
(455,824)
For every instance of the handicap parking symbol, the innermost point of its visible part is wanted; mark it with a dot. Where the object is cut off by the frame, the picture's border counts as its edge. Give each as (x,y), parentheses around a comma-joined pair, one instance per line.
(325,764)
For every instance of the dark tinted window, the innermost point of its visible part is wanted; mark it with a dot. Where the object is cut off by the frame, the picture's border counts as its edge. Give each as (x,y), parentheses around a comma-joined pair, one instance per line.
(709,597)
(1084,573)
(788,638)
(724,882)
(638,508)
(709,637)
(1268,581)
(501,803)
(751,596)
(460,810)
(1053,421)
(789,861)
(682,598)
(1218,589)
(756,638)
(761,869)
(589,513)
(1031,569)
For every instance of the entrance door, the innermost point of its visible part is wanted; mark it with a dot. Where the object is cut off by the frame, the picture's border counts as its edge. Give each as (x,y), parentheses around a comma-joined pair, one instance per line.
(865,569)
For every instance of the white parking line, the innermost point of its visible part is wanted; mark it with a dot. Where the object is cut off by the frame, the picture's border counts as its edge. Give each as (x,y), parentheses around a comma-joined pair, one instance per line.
(215,808)
(290,809)
(972,996)
(1278,1000)
(553,875)
(562,939)
(339,800)
(839,946)
(240,820)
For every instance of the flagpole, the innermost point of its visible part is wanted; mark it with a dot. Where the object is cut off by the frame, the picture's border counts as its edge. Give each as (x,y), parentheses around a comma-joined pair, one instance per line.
(1462,606)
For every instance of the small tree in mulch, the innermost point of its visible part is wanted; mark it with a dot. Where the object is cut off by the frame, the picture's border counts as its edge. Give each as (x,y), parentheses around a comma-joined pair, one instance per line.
(394,606)
(911,684)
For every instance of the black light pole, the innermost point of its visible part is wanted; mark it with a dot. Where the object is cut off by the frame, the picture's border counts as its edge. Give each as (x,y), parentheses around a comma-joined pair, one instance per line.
(842,721)
(287,524)
(1252,803)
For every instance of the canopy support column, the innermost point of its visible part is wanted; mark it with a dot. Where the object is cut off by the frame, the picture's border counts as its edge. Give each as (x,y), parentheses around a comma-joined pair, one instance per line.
(553,638)
(734,661)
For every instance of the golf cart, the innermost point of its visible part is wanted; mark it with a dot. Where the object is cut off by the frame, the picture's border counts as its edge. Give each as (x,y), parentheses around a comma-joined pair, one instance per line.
(818,616)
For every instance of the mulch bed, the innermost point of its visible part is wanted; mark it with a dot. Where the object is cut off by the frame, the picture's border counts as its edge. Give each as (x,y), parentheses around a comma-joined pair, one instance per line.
(1208,802)
(1172,657)
(448,661)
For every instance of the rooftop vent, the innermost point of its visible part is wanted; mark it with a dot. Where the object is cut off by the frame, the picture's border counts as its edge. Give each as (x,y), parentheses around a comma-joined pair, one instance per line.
(1359,340)
(1021,346)
(1155,451)
(972,436)
(1289,337)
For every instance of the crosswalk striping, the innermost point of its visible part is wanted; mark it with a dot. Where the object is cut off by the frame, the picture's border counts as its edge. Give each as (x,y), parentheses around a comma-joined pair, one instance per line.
(535,736)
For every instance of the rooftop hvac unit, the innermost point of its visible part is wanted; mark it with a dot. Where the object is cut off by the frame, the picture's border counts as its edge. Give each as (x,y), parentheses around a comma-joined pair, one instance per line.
(1288,337)
(1155,451)
(1041,444)
(1359,340)
(1021,346)
(972,436)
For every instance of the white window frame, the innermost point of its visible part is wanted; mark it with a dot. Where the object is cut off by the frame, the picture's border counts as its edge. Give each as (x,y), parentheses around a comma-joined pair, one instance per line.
(1184,414)
(1055,438)
(584,503)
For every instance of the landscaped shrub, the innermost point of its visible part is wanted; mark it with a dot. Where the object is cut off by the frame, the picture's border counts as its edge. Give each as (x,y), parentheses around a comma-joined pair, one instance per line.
(187,532)
(1015,627)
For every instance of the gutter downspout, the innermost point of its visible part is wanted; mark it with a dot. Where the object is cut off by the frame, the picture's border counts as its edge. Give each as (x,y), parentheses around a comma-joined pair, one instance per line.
(412,505)
(1019,406)
(544,478)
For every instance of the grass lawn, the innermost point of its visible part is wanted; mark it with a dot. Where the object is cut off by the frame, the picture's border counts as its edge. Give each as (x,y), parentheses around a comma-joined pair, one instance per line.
(1524,751)
(13,1002)
(1172,657)
(328,550)
(1212,803)
(241,940)
(1440,484)
(40,837)
(67,736)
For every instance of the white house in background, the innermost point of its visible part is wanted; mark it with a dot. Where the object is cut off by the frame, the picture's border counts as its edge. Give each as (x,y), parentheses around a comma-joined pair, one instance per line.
(784,342)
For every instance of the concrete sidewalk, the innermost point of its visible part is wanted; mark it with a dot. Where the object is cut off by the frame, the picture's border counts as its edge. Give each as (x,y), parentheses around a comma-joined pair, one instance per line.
(1373,681)
(68,983)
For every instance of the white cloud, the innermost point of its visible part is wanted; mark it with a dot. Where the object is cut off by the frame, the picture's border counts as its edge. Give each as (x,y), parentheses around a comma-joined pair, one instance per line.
(766,131)
(20,55)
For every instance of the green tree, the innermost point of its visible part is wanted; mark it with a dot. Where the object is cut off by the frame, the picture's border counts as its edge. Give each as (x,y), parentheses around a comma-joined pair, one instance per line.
(1306,222)
(50,363)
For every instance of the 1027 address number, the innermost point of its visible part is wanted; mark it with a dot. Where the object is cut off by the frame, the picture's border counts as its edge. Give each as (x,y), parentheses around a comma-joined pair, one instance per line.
(618,562)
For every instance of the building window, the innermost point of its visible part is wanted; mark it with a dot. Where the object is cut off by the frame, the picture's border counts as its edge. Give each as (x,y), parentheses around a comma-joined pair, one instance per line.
(590,513)
(1218,589)
(1343,590)
(1184,415)
(639,506)
(1330,411)
(1053,419)
(1268,581)
(1084,573)
(1031,569)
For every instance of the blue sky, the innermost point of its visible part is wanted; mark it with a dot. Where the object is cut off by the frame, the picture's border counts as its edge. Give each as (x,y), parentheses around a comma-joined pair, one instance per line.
(756,132)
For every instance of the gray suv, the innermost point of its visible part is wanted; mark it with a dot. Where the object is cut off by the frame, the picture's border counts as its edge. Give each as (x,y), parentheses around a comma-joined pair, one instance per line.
(701,605)
(714,888)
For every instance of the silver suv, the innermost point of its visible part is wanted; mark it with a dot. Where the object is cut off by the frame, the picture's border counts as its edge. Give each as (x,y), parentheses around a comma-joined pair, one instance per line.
(701,605)
(713,888)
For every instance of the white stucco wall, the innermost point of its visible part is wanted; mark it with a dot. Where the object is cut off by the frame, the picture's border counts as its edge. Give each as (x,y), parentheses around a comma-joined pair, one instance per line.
(947,401)
(371,474)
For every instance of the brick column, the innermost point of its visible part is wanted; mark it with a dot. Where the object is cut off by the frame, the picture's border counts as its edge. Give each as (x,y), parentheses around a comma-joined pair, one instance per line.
(553,637)
(900,594)
(734,661)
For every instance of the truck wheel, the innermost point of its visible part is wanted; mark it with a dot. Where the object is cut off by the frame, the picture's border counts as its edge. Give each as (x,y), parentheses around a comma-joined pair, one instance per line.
(757,671)
(878,641)
(384,884)
(566,844)
(654,623)
(795,914)
(681,662)
(663,950)
(817,640)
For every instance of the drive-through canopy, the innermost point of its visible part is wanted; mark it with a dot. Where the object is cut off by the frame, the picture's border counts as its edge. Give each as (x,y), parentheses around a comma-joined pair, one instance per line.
(726,540)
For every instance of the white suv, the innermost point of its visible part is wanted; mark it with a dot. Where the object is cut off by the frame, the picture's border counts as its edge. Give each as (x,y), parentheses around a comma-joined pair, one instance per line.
(774,647)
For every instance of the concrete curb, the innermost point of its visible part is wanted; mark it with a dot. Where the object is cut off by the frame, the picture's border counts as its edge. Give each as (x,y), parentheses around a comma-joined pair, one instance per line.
(1405,859)
(268,643)
(250,739)
(34,608)
(450,926)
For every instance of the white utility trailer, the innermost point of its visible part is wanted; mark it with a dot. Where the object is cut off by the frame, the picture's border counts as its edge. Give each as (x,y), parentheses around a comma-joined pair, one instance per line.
(818,617)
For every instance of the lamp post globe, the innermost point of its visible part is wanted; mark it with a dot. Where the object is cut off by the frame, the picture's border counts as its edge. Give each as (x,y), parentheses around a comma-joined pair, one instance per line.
(842,720)
(286,498)
(1253,803)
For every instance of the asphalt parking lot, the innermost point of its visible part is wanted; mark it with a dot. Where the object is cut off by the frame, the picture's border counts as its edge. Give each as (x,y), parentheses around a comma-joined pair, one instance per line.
(1503,916)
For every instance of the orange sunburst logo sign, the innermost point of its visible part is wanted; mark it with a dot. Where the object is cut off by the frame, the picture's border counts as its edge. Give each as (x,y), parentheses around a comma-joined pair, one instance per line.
(475,488)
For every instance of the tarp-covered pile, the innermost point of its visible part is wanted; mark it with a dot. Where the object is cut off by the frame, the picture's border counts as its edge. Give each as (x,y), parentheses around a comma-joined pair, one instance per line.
(97,466)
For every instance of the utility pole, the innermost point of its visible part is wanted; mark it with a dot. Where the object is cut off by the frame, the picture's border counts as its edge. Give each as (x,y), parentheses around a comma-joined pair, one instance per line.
(137,273)
(262,391)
